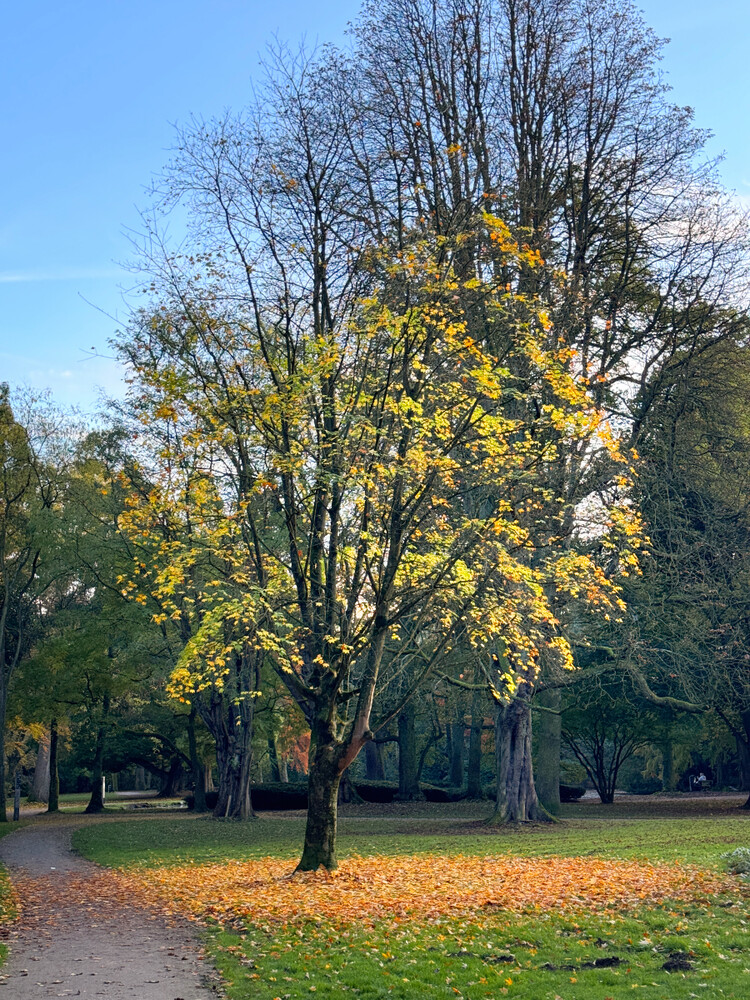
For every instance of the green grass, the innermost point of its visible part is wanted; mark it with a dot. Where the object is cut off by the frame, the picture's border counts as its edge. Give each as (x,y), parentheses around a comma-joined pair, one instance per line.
(539,956)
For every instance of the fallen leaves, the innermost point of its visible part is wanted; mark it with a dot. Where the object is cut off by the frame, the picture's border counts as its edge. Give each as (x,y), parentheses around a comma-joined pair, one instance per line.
(424,886)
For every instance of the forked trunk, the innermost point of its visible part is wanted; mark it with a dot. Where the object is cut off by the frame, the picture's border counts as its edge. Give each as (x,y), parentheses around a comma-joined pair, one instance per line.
(516,800)
(233,762)
(322,812)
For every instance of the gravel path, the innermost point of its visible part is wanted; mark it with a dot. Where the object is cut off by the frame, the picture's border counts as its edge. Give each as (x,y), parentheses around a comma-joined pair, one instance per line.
(79,935)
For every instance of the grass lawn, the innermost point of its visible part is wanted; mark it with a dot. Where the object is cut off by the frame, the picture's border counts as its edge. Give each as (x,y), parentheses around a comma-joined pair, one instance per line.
(430,903)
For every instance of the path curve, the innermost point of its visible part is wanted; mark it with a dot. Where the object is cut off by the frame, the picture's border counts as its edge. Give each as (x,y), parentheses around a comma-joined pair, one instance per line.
(78,937)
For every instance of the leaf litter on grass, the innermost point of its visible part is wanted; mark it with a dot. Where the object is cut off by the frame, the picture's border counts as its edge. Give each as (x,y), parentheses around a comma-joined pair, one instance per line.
(426,886)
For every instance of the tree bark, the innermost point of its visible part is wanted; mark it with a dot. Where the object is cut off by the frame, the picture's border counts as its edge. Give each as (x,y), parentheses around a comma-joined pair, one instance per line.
(547,768)
(456,774)
(196,765)
(516,800)
(96,802)
(474,786)
(408,784)
(40,786)
(174,780)
(322,807)
(230,722)
(3,706)
(273,759)
(374,768)
(53,804)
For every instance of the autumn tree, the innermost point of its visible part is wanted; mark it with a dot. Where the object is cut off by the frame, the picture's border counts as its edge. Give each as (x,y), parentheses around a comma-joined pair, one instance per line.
(688,627)
(33,460)
(555,111)
(332,450)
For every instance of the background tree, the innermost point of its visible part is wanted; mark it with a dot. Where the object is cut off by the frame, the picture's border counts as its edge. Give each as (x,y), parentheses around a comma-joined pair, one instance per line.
(33,460)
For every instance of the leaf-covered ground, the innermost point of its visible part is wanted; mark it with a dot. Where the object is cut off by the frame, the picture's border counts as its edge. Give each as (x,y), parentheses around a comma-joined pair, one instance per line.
(440,908)
(368,890)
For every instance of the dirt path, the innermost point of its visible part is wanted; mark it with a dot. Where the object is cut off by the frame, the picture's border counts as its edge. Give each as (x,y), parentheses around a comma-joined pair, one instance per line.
(80,935)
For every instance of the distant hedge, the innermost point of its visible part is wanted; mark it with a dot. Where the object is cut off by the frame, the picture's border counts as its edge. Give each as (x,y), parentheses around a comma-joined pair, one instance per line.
(293,794)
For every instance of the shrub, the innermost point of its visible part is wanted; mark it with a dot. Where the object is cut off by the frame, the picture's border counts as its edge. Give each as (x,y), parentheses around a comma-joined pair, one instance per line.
(738,861)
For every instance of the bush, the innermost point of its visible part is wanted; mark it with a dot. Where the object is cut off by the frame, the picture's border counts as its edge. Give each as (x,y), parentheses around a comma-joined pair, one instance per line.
(638,784)
(571,793)
(738,861)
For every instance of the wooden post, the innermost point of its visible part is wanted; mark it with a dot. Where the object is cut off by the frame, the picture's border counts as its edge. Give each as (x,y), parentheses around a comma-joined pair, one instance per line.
(17,798)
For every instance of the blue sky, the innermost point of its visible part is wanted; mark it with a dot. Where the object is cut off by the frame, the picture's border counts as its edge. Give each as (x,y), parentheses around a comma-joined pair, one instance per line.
(90,92)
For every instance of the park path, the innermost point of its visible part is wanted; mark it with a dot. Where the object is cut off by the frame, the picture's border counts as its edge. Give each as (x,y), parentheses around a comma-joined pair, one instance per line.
(80,935)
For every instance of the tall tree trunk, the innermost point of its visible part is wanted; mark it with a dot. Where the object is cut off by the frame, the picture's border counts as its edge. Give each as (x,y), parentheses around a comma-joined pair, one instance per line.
(273,759)
(322,806)
(53,804)
(408,784)
(3,706)
(233,762)
(208,777)
(196,766)
(96,802)
(174,780)
(547,766)
(40,785)
(230,722)
(374,767)
(456,774)
(517,800)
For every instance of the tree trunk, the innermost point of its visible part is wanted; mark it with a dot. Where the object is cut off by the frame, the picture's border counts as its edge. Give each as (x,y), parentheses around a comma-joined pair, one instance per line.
(547,767)
(516,801)
(174,780)
(40,786)
(233,763)
(668,779)
(53,805)
(273,759)
(374,767)
(96,802)
(322,808)
(743,752)
(474,787)
(230,722)
(3,704)
(199,788)
(408,784)
(456,774)
(140,779)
